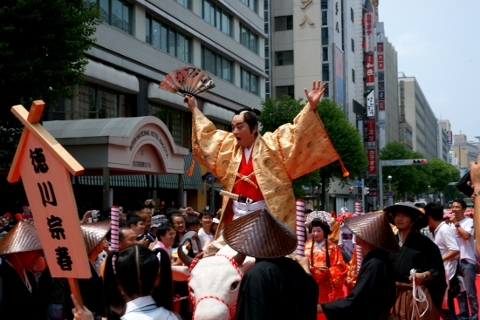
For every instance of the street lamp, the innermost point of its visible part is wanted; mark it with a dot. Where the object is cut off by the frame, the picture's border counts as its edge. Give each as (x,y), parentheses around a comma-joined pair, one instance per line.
(389,188)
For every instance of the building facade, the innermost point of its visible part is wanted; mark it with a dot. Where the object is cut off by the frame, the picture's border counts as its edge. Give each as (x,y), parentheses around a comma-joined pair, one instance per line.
(139,42)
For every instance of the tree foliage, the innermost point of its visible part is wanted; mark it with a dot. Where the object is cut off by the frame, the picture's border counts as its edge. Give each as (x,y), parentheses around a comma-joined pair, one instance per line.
(345,138)
(441,174)
(42,45)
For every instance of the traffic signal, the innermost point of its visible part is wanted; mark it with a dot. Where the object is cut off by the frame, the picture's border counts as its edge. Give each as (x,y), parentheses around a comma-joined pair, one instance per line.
(419,161)
(366,190)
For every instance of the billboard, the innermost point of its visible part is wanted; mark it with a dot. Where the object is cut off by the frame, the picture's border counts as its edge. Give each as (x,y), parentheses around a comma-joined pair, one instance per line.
(369,36)
(369,71)
(371,104)
(340,93)
(372,161)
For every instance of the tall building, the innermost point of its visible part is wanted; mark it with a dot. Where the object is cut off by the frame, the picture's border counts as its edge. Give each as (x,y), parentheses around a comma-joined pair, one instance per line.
(419,116)
(443,145)
(465,151)
(139,42)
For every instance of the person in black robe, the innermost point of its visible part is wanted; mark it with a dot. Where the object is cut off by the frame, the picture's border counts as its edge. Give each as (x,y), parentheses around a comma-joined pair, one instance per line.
(277,289)
(374,293)
(420,253)
(276,286)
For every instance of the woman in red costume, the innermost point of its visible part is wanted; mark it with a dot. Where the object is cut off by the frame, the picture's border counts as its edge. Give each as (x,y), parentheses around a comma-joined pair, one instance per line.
(327,266)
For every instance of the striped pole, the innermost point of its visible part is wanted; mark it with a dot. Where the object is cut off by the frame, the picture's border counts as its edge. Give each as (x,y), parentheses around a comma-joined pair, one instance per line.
(114,227)
(359,257)
(301,227)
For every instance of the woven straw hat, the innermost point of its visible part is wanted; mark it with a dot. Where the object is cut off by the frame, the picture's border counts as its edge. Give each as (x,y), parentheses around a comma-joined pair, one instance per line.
(374,229)
(260,235)
(94,233)
(22,238)
(418,217)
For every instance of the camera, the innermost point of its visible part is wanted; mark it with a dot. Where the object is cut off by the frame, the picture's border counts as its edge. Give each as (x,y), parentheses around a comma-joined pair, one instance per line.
(139,236)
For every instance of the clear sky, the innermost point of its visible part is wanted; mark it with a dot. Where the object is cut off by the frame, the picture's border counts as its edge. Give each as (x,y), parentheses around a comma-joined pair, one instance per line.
(438,43)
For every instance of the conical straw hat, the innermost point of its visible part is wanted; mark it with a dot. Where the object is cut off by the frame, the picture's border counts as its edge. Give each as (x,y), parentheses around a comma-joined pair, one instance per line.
(22,238)
(260,235)
(94,233)
(374,229)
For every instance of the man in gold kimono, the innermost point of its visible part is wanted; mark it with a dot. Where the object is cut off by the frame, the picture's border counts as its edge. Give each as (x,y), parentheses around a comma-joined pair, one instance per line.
(276,158)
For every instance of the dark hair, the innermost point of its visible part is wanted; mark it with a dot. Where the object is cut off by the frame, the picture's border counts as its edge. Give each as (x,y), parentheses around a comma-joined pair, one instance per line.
(191,221)
(250,117)
(170,211)
(434,210)
(135,219)
(326,230)
(162,229)
(462,203)
(204,213)
(177,214)
(137,268)
(121,236)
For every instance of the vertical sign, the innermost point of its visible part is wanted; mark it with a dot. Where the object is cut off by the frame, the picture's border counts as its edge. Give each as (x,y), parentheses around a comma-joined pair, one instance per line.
(42,163)
(369,72)
(372,161)
(339,75)
(371,104)
(369,36)
(371,134)
(381,67)
(450,137)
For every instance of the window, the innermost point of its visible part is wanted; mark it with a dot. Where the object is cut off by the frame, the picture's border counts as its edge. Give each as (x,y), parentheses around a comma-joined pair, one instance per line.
(216,64)
(167,38)
(95,102)
(324,4)
(324,18)
(173,119)
(249,81)
(185,3)
(353,75)
(351,14)
(325,53)
(325,72)
(285,90)
(252,4)
(324,36)
(217,17)
(353,45)
(117,13)
(248,39)
(283,23)
(283,58)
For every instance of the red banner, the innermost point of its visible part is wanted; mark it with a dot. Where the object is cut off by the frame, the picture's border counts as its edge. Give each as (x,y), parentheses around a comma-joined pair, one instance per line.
(372,161)
(369,72)
(369,34)
(381,105)
(371,130)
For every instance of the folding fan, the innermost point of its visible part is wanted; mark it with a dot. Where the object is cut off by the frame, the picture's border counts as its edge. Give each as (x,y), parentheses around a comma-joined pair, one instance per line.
(187,80)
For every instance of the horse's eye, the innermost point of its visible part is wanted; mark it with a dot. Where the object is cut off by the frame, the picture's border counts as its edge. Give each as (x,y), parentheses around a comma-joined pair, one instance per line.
(234,285)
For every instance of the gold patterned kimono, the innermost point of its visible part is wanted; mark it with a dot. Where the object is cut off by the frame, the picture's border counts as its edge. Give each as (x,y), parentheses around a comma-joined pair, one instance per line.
(279,157)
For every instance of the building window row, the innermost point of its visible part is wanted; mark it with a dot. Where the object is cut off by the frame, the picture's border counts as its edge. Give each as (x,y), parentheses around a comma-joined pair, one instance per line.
(284,58)
(248,39)
(173,119)
(217,17)
(167,39)
(117,13)
(283,23)
(252,4)
(249,81)
(216,64)
(285,90)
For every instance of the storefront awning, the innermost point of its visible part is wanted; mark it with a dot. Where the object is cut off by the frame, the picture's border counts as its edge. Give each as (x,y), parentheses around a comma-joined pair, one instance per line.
(112,78)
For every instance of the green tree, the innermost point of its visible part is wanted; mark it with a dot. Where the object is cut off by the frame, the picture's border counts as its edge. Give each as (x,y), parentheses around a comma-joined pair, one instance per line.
(441,174)
(344,136)
(409,180)
(42,45)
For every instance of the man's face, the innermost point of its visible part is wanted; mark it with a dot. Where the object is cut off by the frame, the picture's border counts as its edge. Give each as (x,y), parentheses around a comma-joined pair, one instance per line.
(169,238)
(130,238)
(241,131)
(179,224)
(139,228)
(402,221)
(457,209)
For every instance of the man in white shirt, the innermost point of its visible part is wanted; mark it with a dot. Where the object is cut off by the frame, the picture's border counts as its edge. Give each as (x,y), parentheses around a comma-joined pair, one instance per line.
(445,239)
(463,227)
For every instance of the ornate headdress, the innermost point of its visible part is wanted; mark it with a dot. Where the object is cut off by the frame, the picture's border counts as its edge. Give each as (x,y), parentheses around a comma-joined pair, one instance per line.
(322,215)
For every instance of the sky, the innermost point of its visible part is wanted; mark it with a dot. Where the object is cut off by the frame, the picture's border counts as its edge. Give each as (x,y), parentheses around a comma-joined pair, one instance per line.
(438,43)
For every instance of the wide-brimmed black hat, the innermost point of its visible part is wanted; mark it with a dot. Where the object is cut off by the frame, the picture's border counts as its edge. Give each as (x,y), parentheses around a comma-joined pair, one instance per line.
(260,235)
(375,229)
(418,217)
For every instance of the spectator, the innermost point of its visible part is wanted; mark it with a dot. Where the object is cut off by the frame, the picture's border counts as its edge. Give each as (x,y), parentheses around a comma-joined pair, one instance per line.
(178,222)
(135,223)
(215,223)
(147,223)
(445,239)
(419,253)
(165,238)
(463,228)
(21,253)
(156,222)
(193,224)
(205,232)
(126,238)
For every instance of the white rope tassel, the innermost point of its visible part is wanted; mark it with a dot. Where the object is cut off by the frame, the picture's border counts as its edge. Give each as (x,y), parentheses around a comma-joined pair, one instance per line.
(422,297)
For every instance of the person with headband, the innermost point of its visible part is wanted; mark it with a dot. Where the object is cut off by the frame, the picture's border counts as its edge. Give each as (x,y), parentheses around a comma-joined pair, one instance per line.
(326,261)
(261,168)
(419,261)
